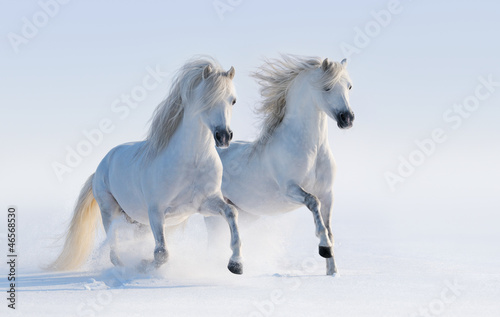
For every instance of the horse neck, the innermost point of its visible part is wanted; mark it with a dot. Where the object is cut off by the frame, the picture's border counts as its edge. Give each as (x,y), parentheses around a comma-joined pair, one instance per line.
(303,117)
(192,136)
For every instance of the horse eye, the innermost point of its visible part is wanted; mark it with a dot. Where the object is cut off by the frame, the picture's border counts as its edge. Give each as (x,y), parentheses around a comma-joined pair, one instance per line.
(350,87)
(327,89)
(234,101)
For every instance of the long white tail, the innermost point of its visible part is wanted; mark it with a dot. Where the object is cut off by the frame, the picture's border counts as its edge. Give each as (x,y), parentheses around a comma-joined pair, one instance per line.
(81,233)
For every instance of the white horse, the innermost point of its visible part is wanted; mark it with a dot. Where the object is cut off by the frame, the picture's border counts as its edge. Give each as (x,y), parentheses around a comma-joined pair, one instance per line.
(163,180)
(290,164)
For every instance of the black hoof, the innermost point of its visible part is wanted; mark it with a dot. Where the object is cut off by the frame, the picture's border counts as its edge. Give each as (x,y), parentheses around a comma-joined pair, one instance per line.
(235,267)
(325,252)
(161,257)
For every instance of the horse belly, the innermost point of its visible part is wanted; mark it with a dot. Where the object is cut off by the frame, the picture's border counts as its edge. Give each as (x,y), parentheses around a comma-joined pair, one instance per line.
(257,194)
(180,214)
(268,206)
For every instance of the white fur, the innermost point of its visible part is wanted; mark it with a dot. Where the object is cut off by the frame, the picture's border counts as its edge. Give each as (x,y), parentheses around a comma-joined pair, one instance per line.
(291,165)
(176,171)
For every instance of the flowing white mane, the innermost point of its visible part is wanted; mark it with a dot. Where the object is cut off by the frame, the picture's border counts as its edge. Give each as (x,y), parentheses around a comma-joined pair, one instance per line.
(169,113)
(275,78)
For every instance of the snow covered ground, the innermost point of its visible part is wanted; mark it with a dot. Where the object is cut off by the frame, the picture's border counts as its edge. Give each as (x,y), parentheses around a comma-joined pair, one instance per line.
(386,269)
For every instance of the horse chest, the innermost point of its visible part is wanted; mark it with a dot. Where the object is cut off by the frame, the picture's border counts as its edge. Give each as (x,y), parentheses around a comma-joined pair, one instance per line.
(317,171)
(310,174)
(197,182)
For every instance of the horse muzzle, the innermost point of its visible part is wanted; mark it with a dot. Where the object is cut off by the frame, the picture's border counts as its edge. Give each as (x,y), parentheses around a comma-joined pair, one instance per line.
(345,119)
(222,137)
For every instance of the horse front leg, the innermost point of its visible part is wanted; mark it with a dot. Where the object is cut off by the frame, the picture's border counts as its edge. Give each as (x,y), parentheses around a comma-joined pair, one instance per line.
(326,213)
(296,194)
(217,205)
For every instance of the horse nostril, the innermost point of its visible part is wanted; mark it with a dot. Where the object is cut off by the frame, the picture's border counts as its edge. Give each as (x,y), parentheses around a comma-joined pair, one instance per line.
(342,116)
(217,135)
(230,135)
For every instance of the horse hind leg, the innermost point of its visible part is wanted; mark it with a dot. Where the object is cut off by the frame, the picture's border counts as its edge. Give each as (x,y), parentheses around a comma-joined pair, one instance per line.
(110,210)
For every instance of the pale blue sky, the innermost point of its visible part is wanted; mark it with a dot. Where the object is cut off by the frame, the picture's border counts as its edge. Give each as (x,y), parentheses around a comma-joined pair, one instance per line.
(426,59)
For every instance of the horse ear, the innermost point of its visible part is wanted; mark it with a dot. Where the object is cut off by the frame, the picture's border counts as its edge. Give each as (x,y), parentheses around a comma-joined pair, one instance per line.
(344,62)
(230,73)
(325,65)
(206,71)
